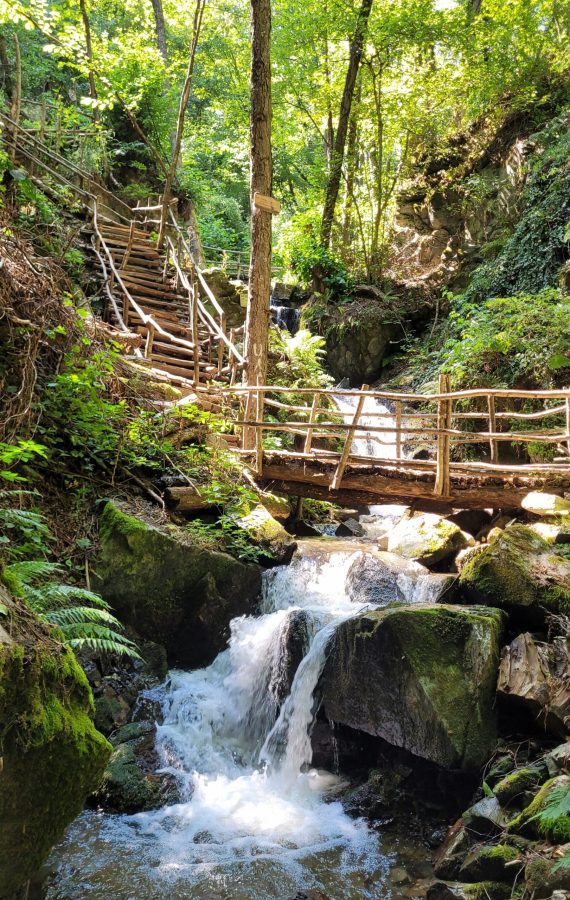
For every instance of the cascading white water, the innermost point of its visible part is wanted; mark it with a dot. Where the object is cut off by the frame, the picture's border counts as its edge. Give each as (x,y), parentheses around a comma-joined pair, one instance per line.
(255,821)
(375,414)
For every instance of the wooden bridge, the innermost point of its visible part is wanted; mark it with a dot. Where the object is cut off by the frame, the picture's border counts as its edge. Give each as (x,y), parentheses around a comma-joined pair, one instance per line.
(452,449)
(476,448)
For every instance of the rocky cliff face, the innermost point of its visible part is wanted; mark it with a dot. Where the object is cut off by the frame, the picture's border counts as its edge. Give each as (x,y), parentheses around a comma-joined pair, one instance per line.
(52,757)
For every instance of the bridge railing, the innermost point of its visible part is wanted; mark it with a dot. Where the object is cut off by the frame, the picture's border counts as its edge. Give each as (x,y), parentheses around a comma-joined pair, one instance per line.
(443,428)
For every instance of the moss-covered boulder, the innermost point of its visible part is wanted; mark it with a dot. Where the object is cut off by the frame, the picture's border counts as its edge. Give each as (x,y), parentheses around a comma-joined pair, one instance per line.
(169,588)
(518,572)
(513,787)
(484,890)
(544,876)
(422,678)
(52,755)
(532,824)
(427,538)
(490,863)
(268,534)
(125,787)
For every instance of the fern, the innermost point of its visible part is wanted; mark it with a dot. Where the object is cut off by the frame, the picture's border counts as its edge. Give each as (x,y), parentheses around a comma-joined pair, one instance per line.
(91,627)
(557,807)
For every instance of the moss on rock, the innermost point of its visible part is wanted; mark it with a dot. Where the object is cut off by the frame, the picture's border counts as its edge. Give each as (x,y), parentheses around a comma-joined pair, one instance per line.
(53,756)
(517,783)
(170,589)
(422,678)
(519,572)
(124,786)
(485,863)
(557,829)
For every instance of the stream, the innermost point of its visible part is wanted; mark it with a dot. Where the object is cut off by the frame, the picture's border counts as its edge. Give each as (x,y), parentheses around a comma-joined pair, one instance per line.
(255,820)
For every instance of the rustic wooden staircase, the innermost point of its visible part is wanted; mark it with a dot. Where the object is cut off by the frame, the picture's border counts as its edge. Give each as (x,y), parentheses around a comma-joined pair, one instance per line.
(154,286)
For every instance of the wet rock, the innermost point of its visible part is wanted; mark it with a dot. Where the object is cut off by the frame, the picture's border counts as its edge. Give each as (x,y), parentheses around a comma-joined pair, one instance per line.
(132,732)
(514,787)
(519,572)
(485,890)
(542,878)
(449,858)
(535,677)
(485,818)
(350,528)
(543,504)
(427,538)
(503,766)
(305,529)
(422,678)
(124,787)
(295,643)
(496,863)
(269,534)
(381,578)
(111,710)
(169,588)
(558,760)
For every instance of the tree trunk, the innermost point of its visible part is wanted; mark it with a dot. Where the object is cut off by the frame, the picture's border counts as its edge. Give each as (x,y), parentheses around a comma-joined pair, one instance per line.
(89,49)
(5,64)
(160,29)
(333,183)
(184,97)
(257,320)
(351,156)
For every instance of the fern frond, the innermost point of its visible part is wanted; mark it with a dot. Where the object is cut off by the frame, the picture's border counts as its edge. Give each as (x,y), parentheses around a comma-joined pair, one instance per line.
(24,518)
(103,645)
(31,571)
(73,615)
(563,863)
(58,594)
(558,805)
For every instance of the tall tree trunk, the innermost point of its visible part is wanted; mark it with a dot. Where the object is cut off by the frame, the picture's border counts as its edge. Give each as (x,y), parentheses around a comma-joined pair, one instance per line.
(89,49)
(257,319)
(333,183)
(184,97)
(351,156)
(5,64)
(160,29)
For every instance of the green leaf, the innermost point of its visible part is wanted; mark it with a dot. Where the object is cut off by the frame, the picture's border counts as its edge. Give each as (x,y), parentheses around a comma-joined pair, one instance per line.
(558,361)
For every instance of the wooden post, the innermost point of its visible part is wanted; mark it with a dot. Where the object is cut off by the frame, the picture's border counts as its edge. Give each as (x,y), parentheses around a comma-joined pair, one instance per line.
(195,328)
(494,445)
(221,344)
(568,419)
(127,253)
(442,481)
(398,426)
(149,341)
(232,358)
(335,484)
(312,418)
(259,431)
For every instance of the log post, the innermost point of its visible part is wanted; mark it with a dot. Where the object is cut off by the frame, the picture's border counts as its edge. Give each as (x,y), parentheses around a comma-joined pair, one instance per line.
(494,445)
(312,419)
(444,407)
(398,426)
(16,104)
(127,253)
(568,419)
(149,341)
(195,327)
(335,484)
(259,431)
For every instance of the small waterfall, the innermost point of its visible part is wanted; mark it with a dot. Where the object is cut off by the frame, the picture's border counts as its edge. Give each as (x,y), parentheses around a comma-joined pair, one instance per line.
(286,317)
(377,414)
(255,821)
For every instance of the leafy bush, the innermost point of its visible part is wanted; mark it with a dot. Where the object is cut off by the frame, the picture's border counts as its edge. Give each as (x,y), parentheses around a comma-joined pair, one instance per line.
(297,360)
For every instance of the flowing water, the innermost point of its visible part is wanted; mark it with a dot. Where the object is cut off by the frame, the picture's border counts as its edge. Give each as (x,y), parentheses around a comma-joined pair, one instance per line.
(255,820)
(377,414)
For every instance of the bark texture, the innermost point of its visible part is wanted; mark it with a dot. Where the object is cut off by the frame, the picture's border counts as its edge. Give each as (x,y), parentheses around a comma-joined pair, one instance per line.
(257,320)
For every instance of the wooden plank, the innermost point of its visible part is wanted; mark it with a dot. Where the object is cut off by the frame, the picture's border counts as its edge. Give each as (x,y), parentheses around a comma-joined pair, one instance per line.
(494,446)
(398,427)
(267,204)
(312,419)
(335,484)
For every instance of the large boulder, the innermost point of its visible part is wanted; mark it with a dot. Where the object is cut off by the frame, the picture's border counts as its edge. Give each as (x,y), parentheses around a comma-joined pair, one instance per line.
(269,535)
(422,678)
(519,572)
(427,538)
(381,579)
(535,677)
(542,504)
(52,755)
(169,588)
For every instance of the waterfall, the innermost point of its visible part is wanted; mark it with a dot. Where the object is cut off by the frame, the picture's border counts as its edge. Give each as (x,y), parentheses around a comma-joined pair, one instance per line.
(254,820)
(375,413)
(286,317)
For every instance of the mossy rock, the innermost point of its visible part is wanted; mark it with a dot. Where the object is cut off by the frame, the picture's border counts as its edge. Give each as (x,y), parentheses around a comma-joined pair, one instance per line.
(543,877)
(485,890)
(269,534)
(422,678)
(124,787)
(169,588)
(515,785)
(526,823)
(518,572)
(427,538)
(52,755)
(495,863)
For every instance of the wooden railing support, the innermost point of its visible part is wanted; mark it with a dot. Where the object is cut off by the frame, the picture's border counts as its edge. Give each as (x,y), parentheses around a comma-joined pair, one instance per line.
(335,484)
(149,341)
(259,431)
(312,420)
(568,420)
(444,410)
(398,427)
(494,445)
